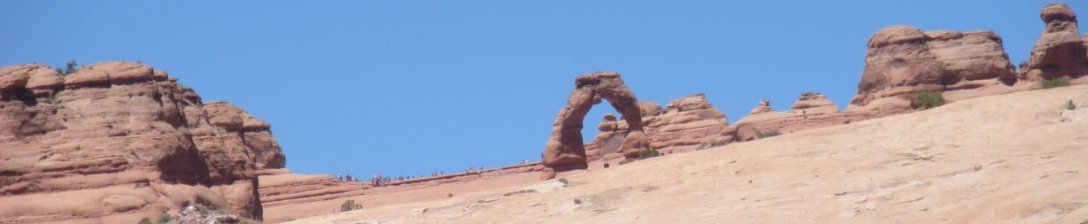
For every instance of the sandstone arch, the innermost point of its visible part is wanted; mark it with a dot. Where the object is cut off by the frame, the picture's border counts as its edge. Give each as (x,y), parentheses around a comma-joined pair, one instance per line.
(565,149)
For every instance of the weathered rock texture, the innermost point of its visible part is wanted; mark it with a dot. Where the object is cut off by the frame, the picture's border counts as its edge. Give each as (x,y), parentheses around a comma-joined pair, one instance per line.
(1060,50)
(681,126)
(115,142)
(564,149)
(1013,158)
(287,196)
(811,110)
(902,61)
(255,133)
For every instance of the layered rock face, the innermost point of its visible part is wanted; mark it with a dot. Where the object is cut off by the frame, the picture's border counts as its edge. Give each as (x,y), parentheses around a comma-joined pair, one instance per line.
(686,123)
(564,149)
(681,126)
(1060,50)
(255,133)
(811,110)
(903,60)
(118,141)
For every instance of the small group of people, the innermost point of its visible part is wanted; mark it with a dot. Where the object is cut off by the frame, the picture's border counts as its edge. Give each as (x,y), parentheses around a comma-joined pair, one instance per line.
(474,170)
(346,177)
(379,180)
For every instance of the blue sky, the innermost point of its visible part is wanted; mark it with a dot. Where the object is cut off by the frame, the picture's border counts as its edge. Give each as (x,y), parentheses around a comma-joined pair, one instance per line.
(409,87)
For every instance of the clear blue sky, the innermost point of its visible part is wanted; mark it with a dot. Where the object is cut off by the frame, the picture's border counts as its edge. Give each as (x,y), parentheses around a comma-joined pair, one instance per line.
(409,87)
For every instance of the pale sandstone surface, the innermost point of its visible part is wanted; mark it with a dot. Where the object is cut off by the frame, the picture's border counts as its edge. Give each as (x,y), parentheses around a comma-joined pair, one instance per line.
(292,196)
(1013,158)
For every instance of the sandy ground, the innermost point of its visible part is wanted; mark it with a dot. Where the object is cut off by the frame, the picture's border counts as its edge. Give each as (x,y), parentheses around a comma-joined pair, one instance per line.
(1015,158)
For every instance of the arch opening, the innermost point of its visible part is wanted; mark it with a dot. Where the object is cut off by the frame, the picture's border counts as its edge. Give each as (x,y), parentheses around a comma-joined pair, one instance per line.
(565,150)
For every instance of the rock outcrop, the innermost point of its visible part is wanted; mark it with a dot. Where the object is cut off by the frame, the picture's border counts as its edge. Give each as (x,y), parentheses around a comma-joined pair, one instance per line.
(1060,50)
(686,123)
(763,107)
(564,149)
(119,141)
(681,126)
(811,110)
(903,60)
(255,133)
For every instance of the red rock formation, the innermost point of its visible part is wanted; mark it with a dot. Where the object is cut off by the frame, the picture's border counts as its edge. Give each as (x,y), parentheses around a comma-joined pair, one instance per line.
(811,110)
(686,123)
(253,132)
(763,107)
(902,60)
(681,126)
(116,142)
(564,149)
(1060,50)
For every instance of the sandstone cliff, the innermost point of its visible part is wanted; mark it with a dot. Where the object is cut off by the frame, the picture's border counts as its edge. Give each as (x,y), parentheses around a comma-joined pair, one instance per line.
(117,141)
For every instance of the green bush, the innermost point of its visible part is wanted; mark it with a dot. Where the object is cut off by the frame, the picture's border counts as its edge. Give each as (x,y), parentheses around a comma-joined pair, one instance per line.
(145,220)
(648,153)
(564,181)
(70,67)
(163,218)
(927,99)
(1055,82)
(350,205)
(1069,105)
(711,144)
(761,135)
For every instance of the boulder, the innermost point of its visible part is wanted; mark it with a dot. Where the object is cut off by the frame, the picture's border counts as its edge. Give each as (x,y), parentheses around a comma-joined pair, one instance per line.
(813,103)
(44,78)
(1060,50)
(763,107)
(14,77)
(902,61)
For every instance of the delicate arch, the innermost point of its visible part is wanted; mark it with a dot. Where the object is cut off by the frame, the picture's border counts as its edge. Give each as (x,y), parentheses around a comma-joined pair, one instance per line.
(565,149)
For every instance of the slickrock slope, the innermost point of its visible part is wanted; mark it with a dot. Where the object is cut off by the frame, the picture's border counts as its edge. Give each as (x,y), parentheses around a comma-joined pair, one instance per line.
(1013,158)
(902,61)
(281,187)
(115,142)
(1060,50)
(288,196)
